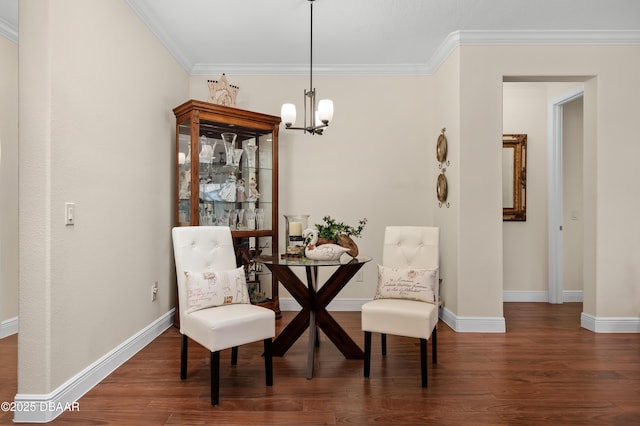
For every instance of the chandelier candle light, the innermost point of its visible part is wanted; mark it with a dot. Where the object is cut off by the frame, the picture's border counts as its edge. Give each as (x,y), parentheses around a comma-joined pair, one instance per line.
(315,120)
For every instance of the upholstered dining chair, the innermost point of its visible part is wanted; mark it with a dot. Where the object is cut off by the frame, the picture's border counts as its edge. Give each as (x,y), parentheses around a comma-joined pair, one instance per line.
(214,306)
(406,300)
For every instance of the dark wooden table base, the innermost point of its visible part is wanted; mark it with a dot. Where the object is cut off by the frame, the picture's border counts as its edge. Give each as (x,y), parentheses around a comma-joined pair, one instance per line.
(314,310)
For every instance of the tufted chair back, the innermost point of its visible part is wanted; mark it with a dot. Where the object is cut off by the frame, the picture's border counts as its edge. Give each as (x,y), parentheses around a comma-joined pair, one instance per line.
(201,248)
(210,249)
(405,247)
(412,246)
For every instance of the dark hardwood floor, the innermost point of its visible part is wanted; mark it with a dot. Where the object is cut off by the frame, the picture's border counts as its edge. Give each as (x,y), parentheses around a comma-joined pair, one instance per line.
(544,370)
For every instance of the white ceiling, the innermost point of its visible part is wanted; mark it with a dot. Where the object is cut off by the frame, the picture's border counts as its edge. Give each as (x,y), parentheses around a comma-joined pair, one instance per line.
(384,36)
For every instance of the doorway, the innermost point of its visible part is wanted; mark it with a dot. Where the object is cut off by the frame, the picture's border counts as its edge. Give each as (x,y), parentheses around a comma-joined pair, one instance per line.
(565,229)
(534,255)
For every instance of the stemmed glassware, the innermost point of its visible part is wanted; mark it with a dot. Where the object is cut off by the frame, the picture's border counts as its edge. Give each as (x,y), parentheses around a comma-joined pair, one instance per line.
(251,155)
(229,140)
(260,218)
(251,219)
(237,155)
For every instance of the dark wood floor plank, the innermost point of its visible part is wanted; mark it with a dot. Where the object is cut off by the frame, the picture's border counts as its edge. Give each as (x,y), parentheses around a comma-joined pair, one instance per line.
(544,370)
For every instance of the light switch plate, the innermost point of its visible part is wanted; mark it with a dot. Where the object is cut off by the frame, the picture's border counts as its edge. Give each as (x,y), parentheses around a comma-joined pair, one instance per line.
(69,213)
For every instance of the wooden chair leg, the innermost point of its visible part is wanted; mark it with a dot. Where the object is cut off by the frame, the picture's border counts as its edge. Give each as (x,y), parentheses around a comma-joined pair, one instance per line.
(268,361)
(367,354)
(434,346)
(234,356)
(423,361)
(383,341)
(215,377)
(183,357)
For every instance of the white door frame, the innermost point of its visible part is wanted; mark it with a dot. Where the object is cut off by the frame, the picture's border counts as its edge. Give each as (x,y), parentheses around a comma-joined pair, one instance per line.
(554,193)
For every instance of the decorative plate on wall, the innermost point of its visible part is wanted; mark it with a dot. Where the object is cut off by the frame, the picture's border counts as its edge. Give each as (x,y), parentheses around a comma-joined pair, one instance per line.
(441,188)
(441,148)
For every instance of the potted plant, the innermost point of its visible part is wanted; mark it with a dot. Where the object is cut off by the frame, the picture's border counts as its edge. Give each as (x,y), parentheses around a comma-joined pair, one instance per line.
(333,232)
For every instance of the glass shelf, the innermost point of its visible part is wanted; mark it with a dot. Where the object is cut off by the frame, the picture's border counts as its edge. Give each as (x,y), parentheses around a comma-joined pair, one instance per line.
(213,191)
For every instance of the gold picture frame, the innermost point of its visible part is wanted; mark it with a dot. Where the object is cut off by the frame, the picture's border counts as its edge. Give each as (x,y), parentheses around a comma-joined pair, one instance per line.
(514,177)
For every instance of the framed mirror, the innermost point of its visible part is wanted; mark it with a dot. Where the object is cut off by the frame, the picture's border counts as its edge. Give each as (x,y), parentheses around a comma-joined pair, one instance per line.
(514,177)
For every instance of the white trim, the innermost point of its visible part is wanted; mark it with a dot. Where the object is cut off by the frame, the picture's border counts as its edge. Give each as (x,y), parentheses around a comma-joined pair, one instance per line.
(8,327)
(448,317)
(46,407)
(525,296)
(346,304)
(473,324)
(449,44)
(554,193)
(610,324)
(459,324)
(540,296)
(303,69)
(573,296)
(549,37)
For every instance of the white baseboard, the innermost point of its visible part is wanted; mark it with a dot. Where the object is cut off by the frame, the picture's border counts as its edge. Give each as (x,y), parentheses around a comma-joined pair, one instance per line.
(44,408)
(8,327)
(348,305)
(461,324)
(473,324)
(610,324)
(540,296)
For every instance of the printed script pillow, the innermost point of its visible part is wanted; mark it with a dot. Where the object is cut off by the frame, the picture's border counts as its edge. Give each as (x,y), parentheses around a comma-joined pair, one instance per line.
(215,288)
(410,284)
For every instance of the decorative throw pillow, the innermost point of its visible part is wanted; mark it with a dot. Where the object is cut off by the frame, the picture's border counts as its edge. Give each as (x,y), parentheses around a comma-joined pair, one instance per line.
(410,284)
(215,288)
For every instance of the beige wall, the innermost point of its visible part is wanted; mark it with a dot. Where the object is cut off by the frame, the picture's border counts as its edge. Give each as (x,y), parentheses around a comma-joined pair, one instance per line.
(444,107)
(96,93)
(8,180)
(97,130)
(572,196)
(526,110)
(525,243)
(375,160)
(611,271)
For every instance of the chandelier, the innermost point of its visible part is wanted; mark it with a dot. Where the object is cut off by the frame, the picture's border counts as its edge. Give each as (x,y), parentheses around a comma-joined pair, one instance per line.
(315,119)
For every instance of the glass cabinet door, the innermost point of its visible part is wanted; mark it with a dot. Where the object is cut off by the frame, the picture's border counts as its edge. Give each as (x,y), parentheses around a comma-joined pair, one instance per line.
(226,174)
(234,180)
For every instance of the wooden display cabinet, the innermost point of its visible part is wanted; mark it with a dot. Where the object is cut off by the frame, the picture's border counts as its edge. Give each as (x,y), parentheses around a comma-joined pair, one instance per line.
(217,182)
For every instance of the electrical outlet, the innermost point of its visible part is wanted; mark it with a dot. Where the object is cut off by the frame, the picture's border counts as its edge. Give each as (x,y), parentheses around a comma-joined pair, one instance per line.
(154,292)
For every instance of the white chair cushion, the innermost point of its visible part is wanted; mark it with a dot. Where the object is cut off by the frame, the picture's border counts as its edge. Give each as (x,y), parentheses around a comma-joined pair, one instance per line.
(407,283)
(408,318)
(226,326)
(215,288)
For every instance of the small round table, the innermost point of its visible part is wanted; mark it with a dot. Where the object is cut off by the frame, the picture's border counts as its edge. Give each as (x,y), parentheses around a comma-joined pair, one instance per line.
(314,302)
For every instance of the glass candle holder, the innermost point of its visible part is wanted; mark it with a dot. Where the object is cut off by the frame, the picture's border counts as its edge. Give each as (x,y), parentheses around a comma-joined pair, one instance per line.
(295,224)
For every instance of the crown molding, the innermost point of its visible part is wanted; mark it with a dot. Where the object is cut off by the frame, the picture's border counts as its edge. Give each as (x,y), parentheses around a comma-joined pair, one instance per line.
(450,43)
(318,70)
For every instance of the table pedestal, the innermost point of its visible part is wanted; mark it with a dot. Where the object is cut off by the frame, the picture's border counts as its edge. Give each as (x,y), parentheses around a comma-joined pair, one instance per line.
(314,313)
